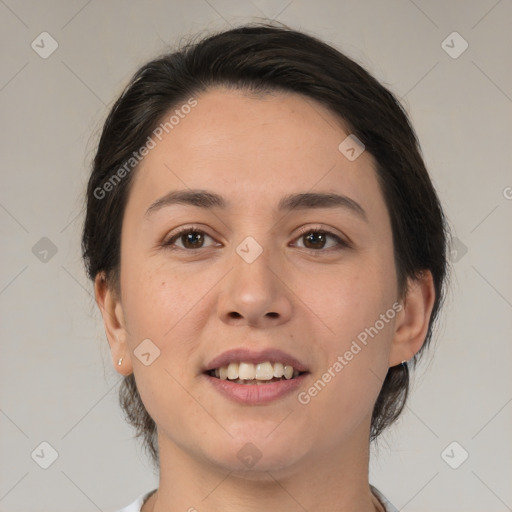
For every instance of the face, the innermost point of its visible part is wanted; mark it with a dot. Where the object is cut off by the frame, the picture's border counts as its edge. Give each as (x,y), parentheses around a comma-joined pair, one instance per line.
(311,278)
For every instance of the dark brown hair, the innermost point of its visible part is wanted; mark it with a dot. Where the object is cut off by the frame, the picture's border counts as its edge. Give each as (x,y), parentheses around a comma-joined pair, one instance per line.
(260,58)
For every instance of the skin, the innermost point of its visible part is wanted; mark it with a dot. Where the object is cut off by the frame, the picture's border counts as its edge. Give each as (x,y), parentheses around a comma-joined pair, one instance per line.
(195,304)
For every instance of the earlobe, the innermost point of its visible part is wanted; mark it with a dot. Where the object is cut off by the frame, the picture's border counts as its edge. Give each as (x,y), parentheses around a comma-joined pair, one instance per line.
(412,322)
(113,319)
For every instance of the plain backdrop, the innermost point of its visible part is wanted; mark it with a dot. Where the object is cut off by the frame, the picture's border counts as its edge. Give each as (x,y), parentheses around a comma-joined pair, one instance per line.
(58,386)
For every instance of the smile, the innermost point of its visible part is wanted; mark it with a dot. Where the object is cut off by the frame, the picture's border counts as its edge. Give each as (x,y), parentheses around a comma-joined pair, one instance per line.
(249,373)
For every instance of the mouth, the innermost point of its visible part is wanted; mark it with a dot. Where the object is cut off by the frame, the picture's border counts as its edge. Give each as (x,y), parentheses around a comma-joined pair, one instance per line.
(255,378)
(255,374)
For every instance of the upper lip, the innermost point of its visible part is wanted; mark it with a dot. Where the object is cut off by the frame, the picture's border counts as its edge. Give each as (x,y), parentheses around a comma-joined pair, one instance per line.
(243,355)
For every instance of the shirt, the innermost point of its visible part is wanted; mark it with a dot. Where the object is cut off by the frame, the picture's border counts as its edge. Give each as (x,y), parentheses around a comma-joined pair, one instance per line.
(137,504)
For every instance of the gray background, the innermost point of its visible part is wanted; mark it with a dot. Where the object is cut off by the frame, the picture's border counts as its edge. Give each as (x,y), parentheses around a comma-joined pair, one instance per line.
(58,384)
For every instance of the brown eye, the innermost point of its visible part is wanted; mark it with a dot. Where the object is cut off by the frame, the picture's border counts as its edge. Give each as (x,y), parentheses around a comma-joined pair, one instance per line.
(190,239)
(315,240)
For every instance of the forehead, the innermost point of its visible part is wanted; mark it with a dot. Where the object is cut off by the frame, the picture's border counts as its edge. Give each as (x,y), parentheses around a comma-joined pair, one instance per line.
(254,150)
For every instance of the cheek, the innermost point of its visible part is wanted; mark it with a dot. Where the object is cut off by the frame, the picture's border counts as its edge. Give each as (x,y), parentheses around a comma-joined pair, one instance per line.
(159,306)
(350,301)
(153,299)
(344,390)
(169,306)
(358,309)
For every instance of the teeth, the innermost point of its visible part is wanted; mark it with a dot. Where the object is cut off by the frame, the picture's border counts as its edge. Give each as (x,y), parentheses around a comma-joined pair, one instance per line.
(232,371)
(246,371)
(278,370)
(265,371)
(288,372)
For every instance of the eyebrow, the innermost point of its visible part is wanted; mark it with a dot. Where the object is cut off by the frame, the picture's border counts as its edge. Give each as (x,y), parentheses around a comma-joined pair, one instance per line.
(302,201)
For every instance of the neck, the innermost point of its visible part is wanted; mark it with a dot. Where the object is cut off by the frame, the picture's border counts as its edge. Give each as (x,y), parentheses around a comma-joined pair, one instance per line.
(333,481)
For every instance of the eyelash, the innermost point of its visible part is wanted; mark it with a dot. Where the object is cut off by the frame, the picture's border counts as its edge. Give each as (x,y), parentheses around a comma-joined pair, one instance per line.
(342,244)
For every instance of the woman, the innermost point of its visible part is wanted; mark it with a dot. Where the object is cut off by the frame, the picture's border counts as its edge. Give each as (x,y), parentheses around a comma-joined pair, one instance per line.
(269,255)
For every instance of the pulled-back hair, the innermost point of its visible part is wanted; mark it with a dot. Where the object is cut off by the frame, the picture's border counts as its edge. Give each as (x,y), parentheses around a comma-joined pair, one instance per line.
(261,58)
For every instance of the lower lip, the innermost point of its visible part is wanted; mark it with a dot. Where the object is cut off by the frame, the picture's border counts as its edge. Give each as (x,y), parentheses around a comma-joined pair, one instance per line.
(253,394)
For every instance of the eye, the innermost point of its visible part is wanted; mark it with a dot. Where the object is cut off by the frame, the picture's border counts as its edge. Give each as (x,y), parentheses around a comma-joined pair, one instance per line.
(192,238)
(316,238)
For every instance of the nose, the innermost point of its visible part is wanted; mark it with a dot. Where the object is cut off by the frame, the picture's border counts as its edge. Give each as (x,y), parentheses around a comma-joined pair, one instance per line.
(255,294)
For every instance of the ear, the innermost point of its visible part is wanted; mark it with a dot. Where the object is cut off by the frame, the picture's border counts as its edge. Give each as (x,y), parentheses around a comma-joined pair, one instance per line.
(412,321)
(115,326)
